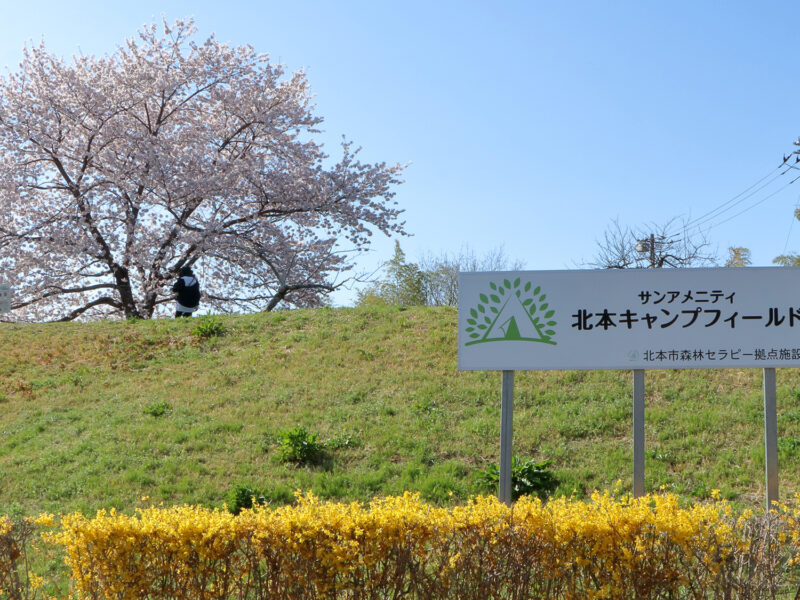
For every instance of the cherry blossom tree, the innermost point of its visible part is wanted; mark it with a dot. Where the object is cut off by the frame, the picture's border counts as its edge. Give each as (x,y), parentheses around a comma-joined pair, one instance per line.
(117,171)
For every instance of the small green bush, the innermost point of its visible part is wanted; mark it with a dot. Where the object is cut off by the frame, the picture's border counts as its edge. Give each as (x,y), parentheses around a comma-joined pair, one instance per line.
(528,478)
(298,445)
(242,497)
(208,326)
(158,409)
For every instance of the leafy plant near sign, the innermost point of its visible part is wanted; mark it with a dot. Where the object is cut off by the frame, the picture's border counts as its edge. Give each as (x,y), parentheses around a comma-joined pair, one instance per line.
(300,446)
(243,497)
(486,312)
(528,478)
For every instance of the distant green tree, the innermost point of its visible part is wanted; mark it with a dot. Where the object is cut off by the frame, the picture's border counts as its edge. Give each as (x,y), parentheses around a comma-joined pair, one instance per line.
(404,283)
(432,282)
(738,256)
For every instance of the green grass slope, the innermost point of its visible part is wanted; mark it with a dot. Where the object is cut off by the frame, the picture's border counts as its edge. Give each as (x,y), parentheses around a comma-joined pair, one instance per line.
(99,415)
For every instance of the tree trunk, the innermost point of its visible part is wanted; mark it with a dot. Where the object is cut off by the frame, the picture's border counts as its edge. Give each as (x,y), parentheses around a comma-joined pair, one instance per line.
(279,295)
(126,293)
(149,304)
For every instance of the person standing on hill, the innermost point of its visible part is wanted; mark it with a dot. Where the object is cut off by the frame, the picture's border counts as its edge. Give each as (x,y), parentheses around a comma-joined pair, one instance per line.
(187,289)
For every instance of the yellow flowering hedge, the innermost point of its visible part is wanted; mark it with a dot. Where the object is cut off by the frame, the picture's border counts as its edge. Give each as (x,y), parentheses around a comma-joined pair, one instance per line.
(17,580)
(401,547)
(9,555)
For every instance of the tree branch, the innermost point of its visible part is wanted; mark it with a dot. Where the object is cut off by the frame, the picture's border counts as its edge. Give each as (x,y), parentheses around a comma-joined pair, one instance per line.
(58,291)
(97,302)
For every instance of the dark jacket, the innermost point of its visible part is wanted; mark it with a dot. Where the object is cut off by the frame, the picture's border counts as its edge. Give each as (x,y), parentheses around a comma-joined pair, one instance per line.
(188,289)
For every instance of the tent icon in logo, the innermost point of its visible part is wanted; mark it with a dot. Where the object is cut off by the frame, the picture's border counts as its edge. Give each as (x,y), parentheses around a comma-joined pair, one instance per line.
(511,313)
(514,323)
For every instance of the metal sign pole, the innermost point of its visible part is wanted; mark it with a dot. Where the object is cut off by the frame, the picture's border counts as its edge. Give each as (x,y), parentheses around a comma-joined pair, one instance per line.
(506,427)
(770,436)
(638,433)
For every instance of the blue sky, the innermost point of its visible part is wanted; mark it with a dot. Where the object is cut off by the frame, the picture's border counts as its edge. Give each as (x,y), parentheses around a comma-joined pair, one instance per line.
(527,124)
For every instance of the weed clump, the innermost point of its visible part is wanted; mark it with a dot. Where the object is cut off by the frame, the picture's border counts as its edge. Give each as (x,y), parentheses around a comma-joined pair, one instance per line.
(158,409)
(299,446)
(528,478)
(208,327)
(242,497)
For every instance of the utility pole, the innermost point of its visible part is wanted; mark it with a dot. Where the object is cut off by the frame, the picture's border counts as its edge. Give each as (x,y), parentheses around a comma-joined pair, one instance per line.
(648,245)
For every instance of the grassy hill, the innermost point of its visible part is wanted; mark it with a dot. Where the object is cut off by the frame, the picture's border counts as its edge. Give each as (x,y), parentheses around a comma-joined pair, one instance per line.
(101,414)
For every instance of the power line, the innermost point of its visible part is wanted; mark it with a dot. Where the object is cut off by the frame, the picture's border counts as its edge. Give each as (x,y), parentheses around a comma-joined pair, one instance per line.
(700,223)
(791,223)
(734,200)
(764,199)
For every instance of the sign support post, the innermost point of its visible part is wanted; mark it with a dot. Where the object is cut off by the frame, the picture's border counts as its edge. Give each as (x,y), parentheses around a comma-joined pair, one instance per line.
(506,429)
(770,436)
(638,433)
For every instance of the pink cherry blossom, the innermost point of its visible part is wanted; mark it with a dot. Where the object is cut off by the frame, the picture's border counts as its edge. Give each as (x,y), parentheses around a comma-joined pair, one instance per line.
(117,171)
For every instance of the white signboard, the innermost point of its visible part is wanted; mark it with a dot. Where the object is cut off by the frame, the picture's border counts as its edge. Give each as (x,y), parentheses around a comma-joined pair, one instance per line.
(5,297)
(630,319)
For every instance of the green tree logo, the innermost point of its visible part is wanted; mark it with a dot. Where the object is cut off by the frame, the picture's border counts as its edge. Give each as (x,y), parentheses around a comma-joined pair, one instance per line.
(511,313)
